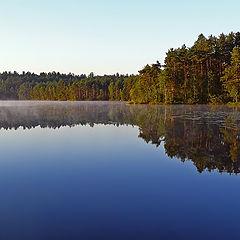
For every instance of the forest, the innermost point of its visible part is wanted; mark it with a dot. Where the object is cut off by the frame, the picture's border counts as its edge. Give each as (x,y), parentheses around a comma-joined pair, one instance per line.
(206,73)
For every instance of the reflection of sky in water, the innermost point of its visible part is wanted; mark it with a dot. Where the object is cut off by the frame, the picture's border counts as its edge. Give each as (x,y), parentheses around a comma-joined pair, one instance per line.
(104,182)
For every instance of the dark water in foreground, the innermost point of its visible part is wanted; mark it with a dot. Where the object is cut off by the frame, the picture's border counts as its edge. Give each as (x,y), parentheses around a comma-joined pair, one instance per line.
(111,171)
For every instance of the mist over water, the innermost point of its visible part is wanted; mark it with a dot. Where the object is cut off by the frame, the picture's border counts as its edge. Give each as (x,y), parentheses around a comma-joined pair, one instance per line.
(107,170)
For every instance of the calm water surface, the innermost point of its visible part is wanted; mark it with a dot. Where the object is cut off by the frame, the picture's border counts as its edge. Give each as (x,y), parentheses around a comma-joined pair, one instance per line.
(114,171)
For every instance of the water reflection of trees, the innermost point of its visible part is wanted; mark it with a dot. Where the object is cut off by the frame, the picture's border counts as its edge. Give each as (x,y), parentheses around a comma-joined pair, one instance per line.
(208,136)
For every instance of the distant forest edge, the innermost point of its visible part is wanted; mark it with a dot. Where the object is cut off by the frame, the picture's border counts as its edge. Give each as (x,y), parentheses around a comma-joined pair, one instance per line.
(208,72)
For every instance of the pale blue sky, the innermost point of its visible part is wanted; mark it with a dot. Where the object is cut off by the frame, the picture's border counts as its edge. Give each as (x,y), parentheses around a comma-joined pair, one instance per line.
(104,36)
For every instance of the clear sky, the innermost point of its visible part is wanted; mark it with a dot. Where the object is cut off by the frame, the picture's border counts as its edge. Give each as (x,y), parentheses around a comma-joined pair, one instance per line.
(104,36)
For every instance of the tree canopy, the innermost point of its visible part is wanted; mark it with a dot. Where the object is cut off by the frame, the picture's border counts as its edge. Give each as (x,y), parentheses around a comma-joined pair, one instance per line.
(207,72)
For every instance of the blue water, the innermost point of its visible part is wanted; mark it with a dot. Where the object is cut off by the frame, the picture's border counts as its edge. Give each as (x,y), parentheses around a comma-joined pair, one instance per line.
(92,171)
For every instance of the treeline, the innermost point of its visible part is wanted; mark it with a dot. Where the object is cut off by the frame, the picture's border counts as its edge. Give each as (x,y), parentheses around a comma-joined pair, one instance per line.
(207,72)
(61,87)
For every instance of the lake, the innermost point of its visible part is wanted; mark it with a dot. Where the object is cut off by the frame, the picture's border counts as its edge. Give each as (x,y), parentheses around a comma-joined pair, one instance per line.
(107,170)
